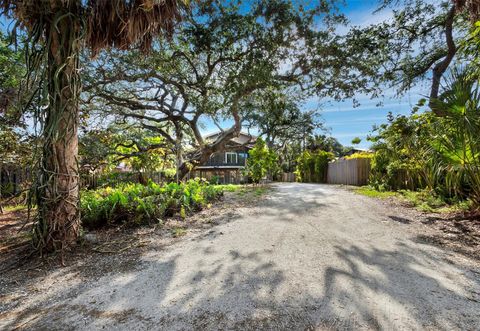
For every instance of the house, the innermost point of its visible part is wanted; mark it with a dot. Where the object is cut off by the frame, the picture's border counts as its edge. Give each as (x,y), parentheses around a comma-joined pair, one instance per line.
(227,166)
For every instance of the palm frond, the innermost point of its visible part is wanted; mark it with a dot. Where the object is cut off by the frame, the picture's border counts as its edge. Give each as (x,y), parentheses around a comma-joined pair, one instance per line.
(471,6)
(123,24)
(107,23)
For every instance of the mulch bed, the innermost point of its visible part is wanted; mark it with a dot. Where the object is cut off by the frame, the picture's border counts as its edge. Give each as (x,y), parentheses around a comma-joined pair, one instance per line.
(459,232)
(106,248)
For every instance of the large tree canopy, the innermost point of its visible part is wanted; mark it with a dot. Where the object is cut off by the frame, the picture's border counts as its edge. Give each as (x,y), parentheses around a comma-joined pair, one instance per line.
(279,118)
(221,60)
(419,43)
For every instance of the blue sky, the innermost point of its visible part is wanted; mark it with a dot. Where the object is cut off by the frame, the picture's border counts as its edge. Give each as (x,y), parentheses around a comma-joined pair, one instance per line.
(346,122)
(341,119)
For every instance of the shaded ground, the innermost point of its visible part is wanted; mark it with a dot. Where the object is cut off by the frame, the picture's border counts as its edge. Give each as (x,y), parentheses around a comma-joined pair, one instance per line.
(14,239)
(458,231)
(307,257)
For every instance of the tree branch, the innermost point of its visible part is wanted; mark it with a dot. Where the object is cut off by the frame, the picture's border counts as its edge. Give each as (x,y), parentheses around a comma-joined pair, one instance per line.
(442,66)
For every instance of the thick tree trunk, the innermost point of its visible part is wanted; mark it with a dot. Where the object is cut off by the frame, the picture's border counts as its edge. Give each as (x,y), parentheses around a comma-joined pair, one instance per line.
(58,182)
(203,154)
(201,157)
(1,183)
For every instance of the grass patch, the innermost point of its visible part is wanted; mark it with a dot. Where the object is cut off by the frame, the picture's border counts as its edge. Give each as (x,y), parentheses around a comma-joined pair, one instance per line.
(230,187)
(243,190)
(429,202)
(424,201)
(371,192)
(259,191)
(178,232)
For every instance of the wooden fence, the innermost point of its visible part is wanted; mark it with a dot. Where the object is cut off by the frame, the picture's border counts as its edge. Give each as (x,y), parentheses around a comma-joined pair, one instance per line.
(349,172)
(288,177)
(92,181)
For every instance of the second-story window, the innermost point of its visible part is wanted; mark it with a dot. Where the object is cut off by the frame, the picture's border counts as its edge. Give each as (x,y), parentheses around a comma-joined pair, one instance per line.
(242,157)
(230,158)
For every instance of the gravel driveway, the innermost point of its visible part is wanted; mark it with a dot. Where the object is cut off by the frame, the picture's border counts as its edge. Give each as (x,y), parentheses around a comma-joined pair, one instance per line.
(307,257)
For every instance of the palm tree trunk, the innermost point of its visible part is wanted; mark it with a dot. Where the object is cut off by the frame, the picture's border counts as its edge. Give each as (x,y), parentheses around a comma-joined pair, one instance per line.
(1,183)
(58,182)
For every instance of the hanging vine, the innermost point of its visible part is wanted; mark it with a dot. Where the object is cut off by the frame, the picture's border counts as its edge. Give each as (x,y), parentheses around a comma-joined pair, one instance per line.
(57,30)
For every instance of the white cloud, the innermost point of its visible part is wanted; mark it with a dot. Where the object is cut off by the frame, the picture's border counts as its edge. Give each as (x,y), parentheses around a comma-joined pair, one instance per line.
(350,135)
(364,18)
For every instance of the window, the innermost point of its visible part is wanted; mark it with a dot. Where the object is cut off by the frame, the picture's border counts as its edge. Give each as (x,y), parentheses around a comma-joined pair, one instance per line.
(216,159)
(230,158)
(242,157)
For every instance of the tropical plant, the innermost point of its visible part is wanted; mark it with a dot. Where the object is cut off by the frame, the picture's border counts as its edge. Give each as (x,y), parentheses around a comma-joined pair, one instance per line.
(313,166)
(135,204)
(457,139)
(326,143)
(401,152)
(261,161)
(440,154)
(11,71)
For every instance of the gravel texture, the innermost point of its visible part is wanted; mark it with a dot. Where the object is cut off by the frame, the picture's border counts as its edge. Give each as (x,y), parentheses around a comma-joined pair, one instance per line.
(306,257)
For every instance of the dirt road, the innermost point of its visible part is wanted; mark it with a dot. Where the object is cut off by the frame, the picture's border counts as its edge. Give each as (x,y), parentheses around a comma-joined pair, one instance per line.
(307,257)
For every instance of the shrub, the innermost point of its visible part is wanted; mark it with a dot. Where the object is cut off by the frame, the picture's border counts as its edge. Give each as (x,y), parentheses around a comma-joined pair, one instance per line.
(139,204)
(313,166)
(360,155)
(436,154)
(261,162)
(214,180)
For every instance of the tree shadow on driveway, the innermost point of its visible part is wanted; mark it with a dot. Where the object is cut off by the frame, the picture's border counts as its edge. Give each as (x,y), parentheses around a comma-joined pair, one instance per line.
(299,280)
(361,288)
(405,287)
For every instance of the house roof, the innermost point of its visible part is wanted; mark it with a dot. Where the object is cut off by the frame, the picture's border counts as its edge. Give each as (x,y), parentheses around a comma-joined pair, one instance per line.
(242,139)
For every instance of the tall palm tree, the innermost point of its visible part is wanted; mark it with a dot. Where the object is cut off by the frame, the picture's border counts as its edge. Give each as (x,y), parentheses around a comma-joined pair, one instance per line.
(61,28)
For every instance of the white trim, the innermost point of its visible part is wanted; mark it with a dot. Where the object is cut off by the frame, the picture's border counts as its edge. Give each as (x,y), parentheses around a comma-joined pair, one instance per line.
(234,153)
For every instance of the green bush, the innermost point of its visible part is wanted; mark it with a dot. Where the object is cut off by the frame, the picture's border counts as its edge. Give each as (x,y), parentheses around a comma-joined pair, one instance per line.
(313,166)
(214,180)
(261,162)
(439,155)
(139,204)
(360,155)
(428,201)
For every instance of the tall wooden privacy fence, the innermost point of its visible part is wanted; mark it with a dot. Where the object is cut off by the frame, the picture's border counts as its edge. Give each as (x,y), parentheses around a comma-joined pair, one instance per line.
(349,172)
(288,177)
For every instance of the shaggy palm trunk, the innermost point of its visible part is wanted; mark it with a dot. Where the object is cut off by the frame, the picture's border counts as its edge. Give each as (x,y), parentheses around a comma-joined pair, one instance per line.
(1,208)
(58,182)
